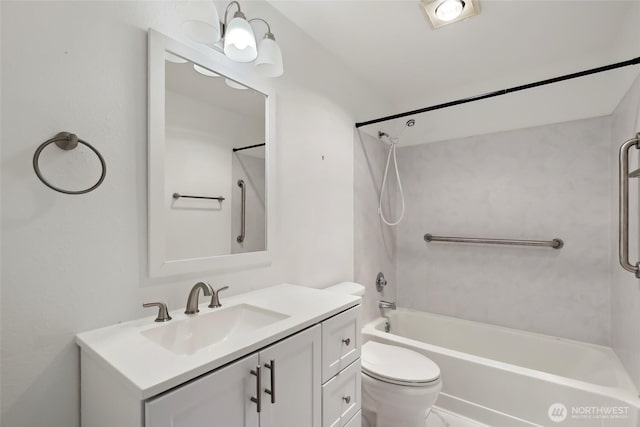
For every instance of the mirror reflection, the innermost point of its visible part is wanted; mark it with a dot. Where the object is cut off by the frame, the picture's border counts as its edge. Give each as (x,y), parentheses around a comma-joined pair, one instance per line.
(214,163)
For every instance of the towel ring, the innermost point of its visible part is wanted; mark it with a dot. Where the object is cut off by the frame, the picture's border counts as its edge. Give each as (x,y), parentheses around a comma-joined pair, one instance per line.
(67,141)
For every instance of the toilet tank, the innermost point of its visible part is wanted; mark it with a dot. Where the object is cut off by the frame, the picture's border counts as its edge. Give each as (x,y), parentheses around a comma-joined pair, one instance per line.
(347,288)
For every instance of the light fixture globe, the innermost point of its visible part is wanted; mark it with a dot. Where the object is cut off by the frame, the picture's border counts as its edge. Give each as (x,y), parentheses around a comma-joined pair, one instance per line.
(206,30)
(205,71)
(269,61)
(239,40)
(449,10)
(235,85)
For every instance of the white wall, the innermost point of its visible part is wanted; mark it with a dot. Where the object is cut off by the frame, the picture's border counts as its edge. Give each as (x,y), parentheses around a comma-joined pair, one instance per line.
(625,288)
(73,263)
(537,183)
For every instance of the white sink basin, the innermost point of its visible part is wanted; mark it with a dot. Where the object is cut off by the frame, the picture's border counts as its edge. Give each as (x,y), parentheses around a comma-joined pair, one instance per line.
(190,335)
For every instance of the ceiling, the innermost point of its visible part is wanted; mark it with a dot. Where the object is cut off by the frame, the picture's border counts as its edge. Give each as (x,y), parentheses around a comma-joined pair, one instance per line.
(391,45)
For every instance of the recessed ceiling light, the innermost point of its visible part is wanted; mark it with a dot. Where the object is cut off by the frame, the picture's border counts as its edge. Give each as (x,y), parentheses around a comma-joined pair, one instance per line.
(444,12)
(449,10)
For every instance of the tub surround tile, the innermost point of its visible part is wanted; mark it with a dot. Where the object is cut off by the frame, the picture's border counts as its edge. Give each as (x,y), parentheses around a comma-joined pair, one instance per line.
(538,183)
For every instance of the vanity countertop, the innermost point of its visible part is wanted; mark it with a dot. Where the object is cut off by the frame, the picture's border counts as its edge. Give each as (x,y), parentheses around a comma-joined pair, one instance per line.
(148,368)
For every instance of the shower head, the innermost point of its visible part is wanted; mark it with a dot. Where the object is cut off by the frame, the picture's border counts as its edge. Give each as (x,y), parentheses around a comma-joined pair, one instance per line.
(381,134)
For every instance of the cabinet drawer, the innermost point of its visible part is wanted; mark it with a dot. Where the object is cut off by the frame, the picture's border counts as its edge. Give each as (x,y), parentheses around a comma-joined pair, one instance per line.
(341,397)
(340,342)
(356,421)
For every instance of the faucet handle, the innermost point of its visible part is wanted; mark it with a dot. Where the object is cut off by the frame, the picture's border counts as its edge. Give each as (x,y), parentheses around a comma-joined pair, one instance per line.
(163,312)
(215,298)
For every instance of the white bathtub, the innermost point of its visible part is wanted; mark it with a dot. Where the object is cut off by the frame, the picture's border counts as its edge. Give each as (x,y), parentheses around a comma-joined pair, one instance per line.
(507,377)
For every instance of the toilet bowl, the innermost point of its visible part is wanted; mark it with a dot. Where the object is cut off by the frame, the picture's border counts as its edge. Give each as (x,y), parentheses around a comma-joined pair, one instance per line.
(399,386)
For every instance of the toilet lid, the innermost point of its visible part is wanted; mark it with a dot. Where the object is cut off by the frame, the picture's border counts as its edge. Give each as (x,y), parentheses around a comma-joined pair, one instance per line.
(397,365)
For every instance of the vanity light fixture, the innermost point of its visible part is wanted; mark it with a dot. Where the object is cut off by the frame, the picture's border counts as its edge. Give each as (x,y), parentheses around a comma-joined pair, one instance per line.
(269,60)
(237,40)
(444,12)
(207,29)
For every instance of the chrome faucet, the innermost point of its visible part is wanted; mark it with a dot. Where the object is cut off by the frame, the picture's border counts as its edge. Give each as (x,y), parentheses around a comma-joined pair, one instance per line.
(192,301)
(386,305)
(215,299)
(382,304)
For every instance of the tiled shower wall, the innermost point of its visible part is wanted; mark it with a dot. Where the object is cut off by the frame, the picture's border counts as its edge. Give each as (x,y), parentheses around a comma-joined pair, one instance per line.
(538,183)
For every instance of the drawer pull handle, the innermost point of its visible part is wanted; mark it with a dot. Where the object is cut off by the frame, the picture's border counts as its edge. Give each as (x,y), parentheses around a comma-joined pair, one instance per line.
(271,366)
(347,399)
(257,400)
(346,341)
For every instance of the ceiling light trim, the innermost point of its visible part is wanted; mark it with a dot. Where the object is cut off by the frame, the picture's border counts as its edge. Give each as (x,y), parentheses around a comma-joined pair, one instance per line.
(469,8)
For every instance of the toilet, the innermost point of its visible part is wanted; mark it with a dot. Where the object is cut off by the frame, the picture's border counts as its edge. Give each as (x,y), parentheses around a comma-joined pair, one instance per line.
(399,386)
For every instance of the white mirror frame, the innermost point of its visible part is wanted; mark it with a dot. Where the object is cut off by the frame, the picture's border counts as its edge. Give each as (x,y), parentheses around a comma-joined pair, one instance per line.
(242,73)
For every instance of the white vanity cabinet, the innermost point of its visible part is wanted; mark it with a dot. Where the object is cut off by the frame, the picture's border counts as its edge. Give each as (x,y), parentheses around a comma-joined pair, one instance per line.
(129,381)
(288,393)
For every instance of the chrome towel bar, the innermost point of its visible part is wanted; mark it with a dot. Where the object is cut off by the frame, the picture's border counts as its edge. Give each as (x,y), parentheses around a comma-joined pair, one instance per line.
(555,243)
(177,196)
(623,227)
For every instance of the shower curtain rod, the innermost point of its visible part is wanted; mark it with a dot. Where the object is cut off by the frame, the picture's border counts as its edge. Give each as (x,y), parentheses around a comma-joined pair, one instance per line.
(248,147)
(634,61)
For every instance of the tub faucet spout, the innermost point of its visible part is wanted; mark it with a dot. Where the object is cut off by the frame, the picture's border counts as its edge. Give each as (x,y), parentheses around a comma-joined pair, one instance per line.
(382,304)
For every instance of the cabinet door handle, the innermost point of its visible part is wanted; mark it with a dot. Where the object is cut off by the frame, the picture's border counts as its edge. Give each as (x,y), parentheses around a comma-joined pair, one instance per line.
(346,341)
(271,366)
(257,400)
(347,399)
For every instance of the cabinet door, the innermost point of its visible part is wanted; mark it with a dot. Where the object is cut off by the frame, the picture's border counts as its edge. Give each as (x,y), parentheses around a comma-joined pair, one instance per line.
(219,399)
(296,381)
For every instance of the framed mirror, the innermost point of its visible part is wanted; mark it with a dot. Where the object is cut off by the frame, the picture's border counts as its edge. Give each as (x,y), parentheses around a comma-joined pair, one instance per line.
(211,145)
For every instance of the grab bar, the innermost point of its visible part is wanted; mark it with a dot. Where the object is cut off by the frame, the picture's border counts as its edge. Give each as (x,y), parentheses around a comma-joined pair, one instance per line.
(243,208)
(623,228)
(555,243)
